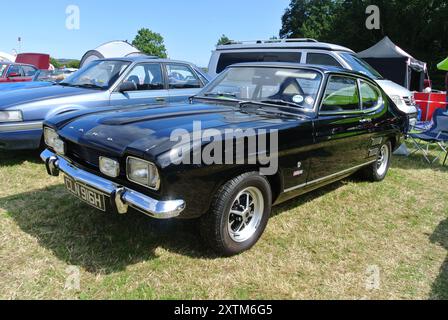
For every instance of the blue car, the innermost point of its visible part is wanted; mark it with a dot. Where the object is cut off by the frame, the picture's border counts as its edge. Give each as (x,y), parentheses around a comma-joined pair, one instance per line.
(42,78)
(101,85)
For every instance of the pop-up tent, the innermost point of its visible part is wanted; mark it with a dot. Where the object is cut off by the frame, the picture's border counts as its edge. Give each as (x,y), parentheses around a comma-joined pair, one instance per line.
(395,64)
(443,65)
(113,49)
(7,57)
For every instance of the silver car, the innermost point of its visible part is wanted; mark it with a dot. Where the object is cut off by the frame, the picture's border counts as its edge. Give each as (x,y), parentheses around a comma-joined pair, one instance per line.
(102,84)
(309,51)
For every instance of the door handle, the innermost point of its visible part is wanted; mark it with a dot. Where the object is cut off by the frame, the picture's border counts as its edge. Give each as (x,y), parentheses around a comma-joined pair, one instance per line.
(366,120)
(160,99)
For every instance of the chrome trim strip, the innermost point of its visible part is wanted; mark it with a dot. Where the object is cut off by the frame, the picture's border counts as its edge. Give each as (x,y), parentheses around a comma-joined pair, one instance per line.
(328,177)
(21,126)
(125,196)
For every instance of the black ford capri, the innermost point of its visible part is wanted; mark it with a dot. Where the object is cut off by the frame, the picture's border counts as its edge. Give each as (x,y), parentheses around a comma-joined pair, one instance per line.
(258,135)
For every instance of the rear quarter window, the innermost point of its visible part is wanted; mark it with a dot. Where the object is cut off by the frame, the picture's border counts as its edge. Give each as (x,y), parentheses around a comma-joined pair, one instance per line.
(227,59)
(322,59)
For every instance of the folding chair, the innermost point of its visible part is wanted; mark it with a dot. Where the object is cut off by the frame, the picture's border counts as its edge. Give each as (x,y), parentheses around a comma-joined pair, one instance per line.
(437,134)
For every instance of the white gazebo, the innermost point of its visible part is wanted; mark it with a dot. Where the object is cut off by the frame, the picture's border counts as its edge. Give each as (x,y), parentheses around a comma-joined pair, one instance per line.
(113,49)
(7,57)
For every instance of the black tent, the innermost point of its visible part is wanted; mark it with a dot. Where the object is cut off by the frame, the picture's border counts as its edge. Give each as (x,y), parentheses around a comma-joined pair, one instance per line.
(395,64)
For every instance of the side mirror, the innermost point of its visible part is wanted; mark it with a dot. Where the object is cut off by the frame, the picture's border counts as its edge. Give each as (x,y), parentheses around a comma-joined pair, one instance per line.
(14,75)
(127,86)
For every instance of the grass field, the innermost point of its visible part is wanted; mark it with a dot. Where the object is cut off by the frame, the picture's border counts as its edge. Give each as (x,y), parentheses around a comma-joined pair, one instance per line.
(350,240)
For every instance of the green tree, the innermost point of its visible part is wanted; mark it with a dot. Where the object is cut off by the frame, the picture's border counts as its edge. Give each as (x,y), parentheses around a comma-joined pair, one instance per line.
(223,40)
(73,64)
(55,62)
(308,18)
(150,42)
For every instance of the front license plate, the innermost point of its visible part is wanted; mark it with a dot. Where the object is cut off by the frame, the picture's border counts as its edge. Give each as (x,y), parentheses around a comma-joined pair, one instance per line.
(86,194)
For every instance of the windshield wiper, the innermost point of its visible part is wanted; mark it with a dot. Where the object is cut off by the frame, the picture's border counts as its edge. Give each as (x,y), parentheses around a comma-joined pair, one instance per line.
(64,84)
(220,94)
(260,106)
(282,103)
(89,86)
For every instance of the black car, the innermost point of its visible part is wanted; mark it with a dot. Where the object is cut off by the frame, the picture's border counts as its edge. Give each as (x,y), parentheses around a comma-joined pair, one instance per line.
(258,135)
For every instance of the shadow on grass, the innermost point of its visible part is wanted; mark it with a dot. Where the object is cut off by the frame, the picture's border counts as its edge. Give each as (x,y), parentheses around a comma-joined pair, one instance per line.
(417,162)
(311,196)
(440,286)
(12,158)
(102,243)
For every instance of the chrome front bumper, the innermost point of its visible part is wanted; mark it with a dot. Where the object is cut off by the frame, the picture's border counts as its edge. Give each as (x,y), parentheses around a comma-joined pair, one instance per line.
(121,198)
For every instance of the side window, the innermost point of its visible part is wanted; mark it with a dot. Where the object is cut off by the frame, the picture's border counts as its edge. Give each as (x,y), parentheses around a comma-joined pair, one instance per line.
(322,59)
(15,69)
(181,77)
(29,71)
(341,94)
(146,77)
(370,96)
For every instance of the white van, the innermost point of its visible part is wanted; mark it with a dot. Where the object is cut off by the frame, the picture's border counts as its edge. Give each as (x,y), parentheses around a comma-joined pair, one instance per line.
(308,51)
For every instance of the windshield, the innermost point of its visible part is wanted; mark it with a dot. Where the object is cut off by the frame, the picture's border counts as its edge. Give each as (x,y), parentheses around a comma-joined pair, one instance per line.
(98,74)
(298,87)
(360,65)
(43,75)
(2,69)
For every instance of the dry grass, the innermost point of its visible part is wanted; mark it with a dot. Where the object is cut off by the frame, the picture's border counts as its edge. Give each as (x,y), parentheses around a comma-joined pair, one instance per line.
(318,246)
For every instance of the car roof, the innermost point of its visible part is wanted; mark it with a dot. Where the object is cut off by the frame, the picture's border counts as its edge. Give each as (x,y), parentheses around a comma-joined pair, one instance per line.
(17,64)
(282,44)
(321,68)
(145,58)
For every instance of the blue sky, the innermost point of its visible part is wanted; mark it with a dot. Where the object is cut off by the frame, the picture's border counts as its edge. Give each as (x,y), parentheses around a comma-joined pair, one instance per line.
(190,28)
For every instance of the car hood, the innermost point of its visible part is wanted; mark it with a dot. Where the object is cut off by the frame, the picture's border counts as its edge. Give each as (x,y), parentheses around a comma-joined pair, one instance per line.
(394,89)
(16,98)
(24,85)
(146,131)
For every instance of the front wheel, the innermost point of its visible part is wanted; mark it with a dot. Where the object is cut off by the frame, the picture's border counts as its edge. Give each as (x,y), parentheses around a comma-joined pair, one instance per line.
(238,215)
(378,170)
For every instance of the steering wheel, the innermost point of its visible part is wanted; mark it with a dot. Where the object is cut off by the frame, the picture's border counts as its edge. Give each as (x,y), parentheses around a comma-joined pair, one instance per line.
(281,95)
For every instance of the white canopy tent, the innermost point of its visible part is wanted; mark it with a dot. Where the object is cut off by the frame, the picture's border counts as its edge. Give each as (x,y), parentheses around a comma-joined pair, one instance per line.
(113,49)
(396,64)
(7,57)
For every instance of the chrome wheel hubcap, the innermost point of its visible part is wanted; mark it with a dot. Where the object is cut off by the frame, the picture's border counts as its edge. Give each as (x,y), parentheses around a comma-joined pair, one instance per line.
(245,214)
(383,160)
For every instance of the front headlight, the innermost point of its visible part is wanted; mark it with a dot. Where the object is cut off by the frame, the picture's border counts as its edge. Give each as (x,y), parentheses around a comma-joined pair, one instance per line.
(109,167)
(11,116)
(398,101)
(53,140)
(143,173)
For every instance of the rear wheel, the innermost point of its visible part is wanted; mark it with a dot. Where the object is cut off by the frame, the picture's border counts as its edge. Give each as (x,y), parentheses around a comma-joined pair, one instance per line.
(378,170)
(239,214)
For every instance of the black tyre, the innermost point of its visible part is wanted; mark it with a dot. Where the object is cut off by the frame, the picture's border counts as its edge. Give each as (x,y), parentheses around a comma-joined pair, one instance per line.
(378,170)
(239,214)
